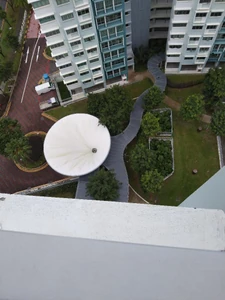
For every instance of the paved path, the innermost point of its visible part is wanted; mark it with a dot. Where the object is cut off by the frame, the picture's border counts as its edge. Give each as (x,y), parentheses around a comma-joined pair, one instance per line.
(115,159)
(29,116)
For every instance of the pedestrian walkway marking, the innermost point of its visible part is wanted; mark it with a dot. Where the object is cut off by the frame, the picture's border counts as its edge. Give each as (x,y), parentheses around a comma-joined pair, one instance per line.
(38,53)
(28,50)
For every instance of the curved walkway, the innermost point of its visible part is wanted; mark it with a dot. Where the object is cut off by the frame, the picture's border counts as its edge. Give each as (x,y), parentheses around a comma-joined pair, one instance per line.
(115,160)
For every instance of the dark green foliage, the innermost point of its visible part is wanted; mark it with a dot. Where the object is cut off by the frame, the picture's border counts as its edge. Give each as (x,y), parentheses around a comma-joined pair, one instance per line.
(3,16)
(6,71)
(9,129)
(192,108)
(12,41)
(153,98)
(142,159)
(18,149)
(163,154)
(151,181)
(141,55)
(214,87)
(150,125)
(218,121)
(63,90)
(113,108)
(103,185)
(164,120)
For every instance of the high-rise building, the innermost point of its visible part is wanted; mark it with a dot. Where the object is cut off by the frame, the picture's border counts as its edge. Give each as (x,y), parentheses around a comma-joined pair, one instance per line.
(195,40)
(90,41)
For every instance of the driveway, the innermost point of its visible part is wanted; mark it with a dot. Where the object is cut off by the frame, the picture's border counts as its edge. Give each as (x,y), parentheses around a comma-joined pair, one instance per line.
(29,116)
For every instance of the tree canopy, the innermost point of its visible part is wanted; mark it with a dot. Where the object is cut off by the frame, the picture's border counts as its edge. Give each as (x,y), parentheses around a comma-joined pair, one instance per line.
(141,158)
(18,149)
(103,185)
(6,71)
(193,107)
(153,98)
(214,87)
(218,121)
(150,125)
(113,108)
(151,181)
(9,129)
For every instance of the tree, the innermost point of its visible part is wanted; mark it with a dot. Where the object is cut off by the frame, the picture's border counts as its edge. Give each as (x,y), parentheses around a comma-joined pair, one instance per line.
(6,71)
(214,87)
(103,185)
(142,159)
(113,108)
(18,149)
(20,3)
(153,98)
(218,121)
(150,125)
(1,52)
(192,108)
(12,41)
(10,3)
(3,16)
(9,129)
(151,181)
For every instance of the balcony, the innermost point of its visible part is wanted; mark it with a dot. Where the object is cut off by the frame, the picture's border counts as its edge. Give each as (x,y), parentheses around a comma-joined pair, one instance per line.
(94,64)
(45,26)
(72,36)
(158,34)
(193,43)
(116,22)
(73,86)
(214,20)
(87,84)
(85,77)
(59,50)
(66,70)
(165,13)
(97,81)
(84,17)
(128,29)
(93,54)
(96,73)
(128,40)
(62,61)
(210,31)
(172,59)
(76,47)
(159,23)
(183,5)
(54,39)
(203,6)
(128,18)
(161,3)
(199,20)
(83,68)
(43,11)
(180,18)
(80,3)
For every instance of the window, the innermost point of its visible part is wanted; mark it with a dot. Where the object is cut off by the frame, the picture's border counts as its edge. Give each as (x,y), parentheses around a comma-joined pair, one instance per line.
(67,16)
(177,36)
(107,55)
(65,66)
(86,81)
(40,3)
(179,24)
(118,61)
(98,78)
(51,33)
(47,19)
(68,75)
(59,2)
(175,46)
(104,34)
(94,60)
(86,26)
(194,39)
(119,28)
(173,55)
(201,58)
(204,1)
(99,6)
(203,49)
(57,45)
(83,12)
(115,42)
(117,2)
(113,17)
(89,39)
(121,51)
(216,14)
(211,27)
(207,38)
(197,27)
(84,73)
(71,30)
(104,45)
(75,43)
(92,51)
(200,15)
(191,49)
(108,4)
(96,70)
(82,65)
(61,56)
(182,12)
(79,54)
(189,57)
(72,82)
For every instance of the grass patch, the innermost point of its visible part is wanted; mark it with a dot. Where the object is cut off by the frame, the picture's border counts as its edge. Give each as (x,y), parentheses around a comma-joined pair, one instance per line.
(64,191)
(175,78)
(64,92)
(192,150)
(137,88)
(60,112)
(180,95)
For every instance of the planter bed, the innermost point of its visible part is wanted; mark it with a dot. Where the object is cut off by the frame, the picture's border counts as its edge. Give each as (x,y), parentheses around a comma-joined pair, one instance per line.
(165,120)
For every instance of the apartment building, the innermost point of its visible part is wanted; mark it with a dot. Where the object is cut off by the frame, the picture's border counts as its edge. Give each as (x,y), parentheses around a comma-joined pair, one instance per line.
(196,36)
(90,41)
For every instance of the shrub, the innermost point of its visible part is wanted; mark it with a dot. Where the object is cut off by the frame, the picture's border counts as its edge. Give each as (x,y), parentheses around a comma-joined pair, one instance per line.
(153,98)
(164,120)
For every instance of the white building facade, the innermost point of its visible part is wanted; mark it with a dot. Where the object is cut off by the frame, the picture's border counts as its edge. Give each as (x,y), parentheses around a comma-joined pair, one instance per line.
(90,41)
(194,27)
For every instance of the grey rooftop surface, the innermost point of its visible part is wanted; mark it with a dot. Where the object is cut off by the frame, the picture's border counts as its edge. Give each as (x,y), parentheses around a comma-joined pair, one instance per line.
(115,159)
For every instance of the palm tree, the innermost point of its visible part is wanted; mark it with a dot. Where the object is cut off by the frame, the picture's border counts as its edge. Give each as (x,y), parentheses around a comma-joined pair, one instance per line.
(18,149)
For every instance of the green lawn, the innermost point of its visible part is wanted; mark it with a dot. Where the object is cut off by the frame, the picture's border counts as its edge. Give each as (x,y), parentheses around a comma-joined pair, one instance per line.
(137,88)
(185,78)
(66,191)
(193,150)
(182,94)
(64,92)
(60,112)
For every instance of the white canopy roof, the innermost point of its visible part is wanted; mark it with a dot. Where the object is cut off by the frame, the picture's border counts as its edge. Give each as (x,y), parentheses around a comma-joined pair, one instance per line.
(76,145)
